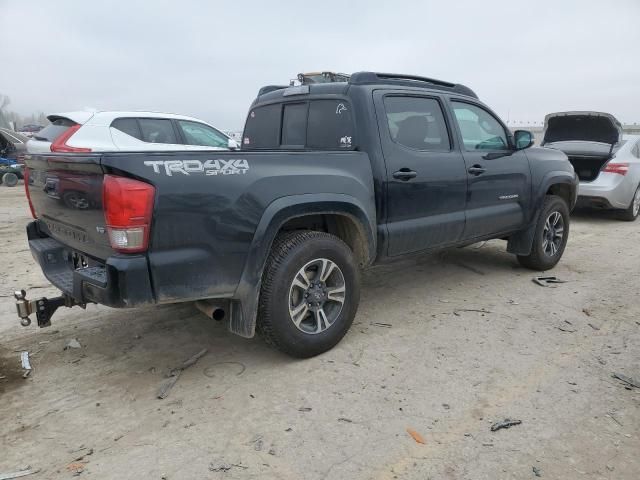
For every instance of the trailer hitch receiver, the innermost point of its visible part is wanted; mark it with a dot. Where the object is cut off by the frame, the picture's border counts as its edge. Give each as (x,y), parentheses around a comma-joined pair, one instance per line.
(44,307)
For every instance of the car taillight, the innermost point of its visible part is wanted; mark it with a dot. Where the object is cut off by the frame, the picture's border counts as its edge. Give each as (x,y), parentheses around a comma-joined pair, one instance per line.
(128,205)
(619,168)
(26,189)
(60,143)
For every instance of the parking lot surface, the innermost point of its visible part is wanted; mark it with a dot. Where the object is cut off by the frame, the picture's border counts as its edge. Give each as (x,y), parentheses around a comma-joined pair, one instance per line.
(443,347)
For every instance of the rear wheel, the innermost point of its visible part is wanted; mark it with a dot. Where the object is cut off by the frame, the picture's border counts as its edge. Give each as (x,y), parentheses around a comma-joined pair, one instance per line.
(10,179)
(631,213)
(550,238)
(310,293)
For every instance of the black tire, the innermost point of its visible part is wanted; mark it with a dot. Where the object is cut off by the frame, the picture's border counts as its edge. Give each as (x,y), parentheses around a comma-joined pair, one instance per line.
(10,179)
(539,258)
(631,213)
(291,253)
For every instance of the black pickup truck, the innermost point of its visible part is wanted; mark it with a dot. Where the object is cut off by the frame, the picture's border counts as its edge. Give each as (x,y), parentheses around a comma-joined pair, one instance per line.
(331,178)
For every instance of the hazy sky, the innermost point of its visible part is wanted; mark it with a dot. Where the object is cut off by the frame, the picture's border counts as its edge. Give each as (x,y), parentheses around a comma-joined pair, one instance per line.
(208,58)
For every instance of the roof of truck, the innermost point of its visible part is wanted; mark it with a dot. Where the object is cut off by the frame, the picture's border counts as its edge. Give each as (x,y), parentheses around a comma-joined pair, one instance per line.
(274,92)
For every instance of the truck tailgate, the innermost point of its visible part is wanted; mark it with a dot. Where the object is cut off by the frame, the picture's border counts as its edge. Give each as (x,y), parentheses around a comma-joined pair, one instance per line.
(66,194)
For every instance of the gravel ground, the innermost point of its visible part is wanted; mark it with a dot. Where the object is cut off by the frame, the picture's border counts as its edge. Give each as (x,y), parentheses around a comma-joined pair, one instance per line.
(444,345)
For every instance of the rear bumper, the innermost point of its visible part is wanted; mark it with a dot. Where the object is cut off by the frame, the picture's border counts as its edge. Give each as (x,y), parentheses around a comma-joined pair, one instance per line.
(120,281)
(609,190)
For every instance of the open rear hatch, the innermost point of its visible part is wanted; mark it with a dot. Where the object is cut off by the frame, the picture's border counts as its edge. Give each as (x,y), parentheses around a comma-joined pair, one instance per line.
(588,138)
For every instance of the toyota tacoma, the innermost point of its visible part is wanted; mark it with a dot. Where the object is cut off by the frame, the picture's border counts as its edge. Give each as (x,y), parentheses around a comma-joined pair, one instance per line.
(331,178)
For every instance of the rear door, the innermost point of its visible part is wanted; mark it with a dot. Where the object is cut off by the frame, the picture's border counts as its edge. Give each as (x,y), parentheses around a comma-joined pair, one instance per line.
(426,181)
(499,190)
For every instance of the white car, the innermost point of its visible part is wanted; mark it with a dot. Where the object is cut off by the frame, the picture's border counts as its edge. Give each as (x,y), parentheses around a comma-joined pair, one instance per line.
(607,163)
(126,131)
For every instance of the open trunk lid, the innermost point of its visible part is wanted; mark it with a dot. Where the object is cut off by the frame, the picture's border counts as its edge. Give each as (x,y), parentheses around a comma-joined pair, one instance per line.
(588,138)
(581,127)
(66,194)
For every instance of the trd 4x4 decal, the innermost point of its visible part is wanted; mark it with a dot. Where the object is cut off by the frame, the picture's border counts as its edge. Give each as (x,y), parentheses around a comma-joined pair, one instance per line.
(209,167)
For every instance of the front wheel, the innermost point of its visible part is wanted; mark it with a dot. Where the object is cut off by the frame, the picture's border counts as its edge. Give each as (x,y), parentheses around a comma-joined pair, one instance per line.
(631,213)
(550,237)
(310,293)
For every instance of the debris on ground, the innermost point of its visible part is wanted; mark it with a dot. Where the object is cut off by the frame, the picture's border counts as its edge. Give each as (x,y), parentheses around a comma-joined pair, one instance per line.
(304,409)
(506,423)
(174,374)
(628,381)
(482,310)
(24,358)
(73,343)
(345,420)
(224,467)
(593,326)
(76,468)
(547,281)
(566,329)
(416,436)
(20,473)
(586,311)
(380,324)
(87,454)
(536,471)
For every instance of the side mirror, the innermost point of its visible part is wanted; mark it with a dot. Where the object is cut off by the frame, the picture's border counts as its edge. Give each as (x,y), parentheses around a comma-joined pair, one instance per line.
(522,139)
(233,145)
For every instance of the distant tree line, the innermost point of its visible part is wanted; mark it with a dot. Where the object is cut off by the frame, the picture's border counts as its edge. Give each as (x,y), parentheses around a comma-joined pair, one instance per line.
(9,119)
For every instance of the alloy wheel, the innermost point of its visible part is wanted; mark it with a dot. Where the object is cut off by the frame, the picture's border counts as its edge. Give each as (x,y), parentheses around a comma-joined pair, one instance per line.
(316,296)
(553,234)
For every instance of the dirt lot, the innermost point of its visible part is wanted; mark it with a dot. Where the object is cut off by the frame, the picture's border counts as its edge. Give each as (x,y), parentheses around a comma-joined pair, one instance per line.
(420,356)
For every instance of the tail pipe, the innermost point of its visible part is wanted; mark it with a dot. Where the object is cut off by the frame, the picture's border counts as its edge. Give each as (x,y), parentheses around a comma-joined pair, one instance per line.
(211,310)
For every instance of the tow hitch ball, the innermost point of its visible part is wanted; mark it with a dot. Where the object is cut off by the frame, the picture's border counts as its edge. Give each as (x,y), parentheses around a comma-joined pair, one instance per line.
(43,307)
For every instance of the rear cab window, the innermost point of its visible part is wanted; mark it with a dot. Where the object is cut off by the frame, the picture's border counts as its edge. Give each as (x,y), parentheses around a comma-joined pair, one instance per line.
(313,124)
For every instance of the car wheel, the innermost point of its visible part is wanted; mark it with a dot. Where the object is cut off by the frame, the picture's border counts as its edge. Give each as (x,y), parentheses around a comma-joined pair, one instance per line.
(631,213)
(550,237)
(10,179)
(310,293)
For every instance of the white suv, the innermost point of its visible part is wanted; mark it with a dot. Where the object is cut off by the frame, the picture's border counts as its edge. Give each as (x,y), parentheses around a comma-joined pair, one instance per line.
(126,131)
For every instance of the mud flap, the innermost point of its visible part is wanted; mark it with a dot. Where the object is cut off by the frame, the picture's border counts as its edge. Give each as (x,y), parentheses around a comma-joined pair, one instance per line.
(521,243)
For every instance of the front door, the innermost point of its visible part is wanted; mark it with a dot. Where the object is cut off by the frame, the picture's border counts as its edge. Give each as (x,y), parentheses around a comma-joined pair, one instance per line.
(426,181)
(499,189)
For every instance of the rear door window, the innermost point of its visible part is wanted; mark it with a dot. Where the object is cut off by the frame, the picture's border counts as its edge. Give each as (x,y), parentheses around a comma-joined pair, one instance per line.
(128,126)
(54,130)
(294,125)
(157,130)
(262,129)
(202,135)
(417,123)
(330,125)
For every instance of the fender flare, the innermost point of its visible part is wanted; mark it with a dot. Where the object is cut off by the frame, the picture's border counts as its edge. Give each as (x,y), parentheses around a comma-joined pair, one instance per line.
(244,308)
(521,243)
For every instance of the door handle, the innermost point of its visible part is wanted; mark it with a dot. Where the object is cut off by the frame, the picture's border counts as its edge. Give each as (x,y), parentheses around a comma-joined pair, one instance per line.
(476,170)
(405,174)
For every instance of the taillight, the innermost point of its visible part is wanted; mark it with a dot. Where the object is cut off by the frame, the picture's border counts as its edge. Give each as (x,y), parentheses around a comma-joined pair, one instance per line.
(128,205)
(60,143)
(619,168)
(26,189)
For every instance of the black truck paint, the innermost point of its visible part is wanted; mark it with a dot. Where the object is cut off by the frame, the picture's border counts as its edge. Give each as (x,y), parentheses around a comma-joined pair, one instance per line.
(216,214)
